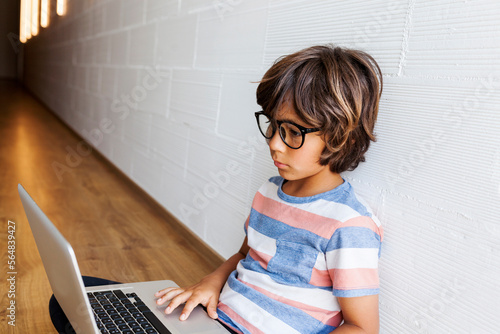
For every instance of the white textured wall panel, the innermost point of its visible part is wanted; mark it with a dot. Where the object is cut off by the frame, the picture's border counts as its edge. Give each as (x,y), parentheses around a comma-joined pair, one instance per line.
(237,105)
(112,20)
(108,77)
(240,46)
(132,12)
(118,48)
(376,26)
(446,39)
(150,90)
(175,80)
(156,9)
(176,41)
(176,135)
(142,45)
(195,97)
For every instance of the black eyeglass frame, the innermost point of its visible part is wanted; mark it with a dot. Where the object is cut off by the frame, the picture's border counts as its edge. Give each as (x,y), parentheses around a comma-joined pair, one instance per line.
(303,130)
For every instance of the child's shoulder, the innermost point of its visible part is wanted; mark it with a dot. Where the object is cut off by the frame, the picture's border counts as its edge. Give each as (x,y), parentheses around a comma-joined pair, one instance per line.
(341,203)
(276,180)
(344,204)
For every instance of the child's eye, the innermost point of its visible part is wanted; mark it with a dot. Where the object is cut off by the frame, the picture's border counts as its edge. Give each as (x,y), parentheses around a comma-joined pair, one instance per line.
(293,131)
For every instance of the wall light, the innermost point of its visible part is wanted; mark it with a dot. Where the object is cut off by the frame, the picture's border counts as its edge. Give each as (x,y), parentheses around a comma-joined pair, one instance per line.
(44,13)
(61,7)
(22,24)
(25,21)
(34,17)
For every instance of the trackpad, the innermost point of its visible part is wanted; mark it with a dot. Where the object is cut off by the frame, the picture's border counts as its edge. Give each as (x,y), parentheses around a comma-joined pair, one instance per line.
(198,322)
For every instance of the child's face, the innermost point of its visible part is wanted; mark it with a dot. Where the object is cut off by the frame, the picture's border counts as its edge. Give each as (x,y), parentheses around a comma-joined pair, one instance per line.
(298,164)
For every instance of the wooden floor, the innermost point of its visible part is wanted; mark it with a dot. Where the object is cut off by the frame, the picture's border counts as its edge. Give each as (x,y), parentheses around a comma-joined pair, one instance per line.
(117,231)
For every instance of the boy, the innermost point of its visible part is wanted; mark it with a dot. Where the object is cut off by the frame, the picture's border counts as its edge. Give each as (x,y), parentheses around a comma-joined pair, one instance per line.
(309,261)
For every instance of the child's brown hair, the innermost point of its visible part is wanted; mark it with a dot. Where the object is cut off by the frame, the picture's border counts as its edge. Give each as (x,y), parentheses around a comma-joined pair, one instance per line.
(332,88)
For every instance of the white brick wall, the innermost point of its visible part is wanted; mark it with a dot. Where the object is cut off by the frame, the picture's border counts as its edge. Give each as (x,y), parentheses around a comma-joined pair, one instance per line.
(166,90)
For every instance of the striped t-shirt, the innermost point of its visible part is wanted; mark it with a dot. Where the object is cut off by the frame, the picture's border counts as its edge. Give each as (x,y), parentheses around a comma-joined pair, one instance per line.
(304,253)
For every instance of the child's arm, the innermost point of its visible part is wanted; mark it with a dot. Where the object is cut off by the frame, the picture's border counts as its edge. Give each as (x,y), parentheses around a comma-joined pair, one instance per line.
(206,292)
(360,315)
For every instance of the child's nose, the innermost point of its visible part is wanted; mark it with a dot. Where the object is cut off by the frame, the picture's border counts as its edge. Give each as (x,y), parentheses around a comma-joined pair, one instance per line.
(276,143)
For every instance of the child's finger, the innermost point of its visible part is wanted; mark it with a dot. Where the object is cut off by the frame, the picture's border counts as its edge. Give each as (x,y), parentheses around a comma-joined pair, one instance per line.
(191,303)
(212,308)
(177,300)
(164,291)
(167,294)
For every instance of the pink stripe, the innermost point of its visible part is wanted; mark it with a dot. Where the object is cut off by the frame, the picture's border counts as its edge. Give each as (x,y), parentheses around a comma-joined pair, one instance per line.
(320,278)
(358,278)
(236,318)
(319,225)
(364,221)
(332,318)
(262,258)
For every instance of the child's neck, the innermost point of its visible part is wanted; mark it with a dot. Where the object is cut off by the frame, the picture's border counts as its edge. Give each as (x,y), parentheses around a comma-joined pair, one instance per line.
(312,186)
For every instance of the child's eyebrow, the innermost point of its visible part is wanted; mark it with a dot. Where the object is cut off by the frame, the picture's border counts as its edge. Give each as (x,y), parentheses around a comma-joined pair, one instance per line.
(285,119)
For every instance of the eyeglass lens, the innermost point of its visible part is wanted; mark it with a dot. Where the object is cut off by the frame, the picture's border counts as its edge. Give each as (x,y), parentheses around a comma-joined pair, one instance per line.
(289,133)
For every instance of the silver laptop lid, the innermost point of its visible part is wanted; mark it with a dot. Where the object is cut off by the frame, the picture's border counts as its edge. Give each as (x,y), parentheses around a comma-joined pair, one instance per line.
(61,267)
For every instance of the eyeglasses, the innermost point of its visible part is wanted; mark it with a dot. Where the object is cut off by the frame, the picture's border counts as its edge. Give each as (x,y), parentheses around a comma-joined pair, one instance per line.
(293,135)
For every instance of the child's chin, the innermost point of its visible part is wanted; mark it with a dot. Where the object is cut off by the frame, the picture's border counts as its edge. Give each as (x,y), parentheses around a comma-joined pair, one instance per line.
(285,174)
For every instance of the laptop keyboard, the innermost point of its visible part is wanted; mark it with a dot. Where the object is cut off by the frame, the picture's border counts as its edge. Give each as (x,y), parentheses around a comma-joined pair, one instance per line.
(117,312)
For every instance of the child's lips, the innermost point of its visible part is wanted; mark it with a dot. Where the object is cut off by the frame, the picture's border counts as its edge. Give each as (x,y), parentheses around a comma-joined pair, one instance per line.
(279,164)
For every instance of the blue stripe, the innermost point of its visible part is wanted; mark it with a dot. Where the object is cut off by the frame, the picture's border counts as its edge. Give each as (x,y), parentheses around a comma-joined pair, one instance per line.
(349,198)
(292,316)
(354,237)
(343,194)
(355,293)
(252,265)
(276,180)
(275,229)
(230,323)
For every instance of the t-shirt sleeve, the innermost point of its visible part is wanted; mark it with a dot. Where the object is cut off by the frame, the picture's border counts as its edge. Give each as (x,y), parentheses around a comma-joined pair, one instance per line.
(352,258)
(246,225)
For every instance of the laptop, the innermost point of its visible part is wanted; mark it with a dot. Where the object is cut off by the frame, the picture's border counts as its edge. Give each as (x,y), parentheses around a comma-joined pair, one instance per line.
(118,308)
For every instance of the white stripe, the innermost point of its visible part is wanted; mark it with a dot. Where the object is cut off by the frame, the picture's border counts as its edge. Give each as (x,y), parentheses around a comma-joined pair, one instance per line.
(320,262)
(321,207)
(252,313)
(313,297)
(260,242)
(368,208)
(352,258)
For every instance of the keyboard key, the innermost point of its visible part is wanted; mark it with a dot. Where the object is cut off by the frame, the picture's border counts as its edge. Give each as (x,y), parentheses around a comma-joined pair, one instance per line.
(146,325)
(110,326)
(117,312)
(156,323)
(143,308)
(123,327)
(119,294)
(133,324)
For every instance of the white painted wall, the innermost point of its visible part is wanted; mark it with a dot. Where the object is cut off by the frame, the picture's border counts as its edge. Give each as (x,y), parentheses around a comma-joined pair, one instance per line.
(165,90)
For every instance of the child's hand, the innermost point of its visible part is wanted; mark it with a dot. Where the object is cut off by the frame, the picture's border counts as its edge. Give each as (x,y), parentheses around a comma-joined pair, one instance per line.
(205,293)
